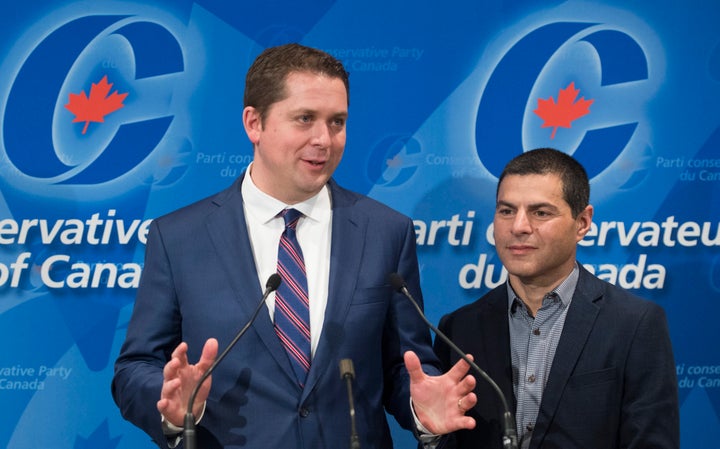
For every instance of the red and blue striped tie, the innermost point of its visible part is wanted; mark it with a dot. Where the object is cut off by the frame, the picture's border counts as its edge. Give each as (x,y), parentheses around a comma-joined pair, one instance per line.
(292,311)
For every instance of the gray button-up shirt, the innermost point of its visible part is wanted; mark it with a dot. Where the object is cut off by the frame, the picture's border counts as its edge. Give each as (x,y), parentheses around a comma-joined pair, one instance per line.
(533,341)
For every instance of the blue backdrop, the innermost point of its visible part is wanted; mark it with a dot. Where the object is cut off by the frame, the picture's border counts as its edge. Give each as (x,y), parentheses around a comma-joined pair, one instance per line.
(112,113)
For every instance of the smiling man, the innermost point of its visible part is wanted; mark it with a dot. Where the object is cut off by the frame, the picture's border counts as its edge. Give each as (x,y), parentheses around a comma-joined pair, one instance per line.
(583,363)
(206,266)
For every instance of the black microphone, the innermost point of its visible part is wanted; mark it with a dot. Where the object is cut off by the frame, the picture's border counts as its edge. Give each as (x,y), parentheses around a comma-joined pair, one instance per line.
(347,372)
(509,433)
(271,285)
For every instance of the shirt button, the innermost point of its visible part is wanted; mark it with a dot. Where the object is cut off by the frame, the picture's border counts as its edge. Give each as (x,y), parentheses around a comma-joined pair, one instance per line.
(536,331)
(304,412)
(530,427)
(531,378)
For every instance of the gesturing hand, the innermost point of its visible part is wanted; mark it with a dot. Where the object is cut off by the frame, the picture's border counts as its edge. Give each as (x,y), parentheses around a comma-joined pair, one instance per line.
(440,402)
(179,380)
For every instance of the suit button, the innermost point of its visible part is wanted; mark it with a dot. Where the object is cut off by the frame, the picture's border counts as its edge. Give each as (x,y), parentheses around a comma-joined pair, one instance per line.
(304,412)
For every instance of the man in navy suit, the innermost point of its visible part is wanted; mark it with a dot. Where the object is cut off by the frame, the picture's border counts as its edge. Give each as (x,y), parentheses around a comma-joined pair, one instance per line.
(206,266)
(582,363)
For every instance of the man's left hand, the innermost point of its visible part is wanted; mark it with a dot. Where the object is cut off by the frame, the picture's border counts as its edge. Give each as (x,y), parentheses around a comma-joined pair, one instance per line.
(440,402)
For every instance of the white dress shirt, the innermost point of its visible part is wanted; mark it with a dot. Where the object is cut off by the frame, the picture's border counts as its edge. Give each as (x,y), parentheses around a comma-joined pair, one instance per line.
(313,231)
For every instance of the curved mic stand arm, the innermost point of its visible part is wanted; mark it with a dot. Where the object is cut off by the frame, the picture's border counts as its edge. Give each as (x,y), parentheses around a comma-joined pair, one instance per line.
(272,284)
(508,421)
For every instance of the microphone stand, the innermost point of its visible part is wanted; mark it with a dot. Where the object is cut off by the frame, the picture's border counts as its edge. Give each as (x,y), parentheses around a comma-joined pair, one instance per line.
(189,433)
(347,372)
(508,422)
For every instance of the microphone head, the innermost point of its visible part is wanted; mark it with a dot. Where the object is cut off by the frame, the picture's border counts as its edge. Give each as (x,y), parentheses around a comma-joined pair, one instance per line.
(347,368)
(396,281)
(273,282)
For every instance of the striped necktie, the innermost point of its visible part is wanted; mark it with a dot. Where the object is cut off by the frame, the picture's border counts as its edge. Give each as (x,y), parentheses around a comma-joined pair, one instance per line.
(292,312)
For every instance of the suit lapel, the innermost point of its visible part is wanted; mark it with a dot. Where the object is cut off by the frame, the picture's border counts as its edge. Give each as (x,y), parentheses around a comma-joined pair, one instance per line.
(578,324)
(348,238)
(229,234)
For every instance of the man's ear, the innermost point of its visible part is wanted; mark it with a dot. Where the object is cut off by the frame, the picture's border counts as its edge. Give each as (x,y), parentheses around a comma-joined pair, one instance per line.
(252,123)
(584,221)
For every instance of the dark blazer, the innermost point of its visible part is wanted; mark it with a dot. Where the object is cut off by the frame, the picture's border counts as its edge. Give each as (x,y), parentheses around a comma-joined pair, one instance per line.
(200,281)
(612,383)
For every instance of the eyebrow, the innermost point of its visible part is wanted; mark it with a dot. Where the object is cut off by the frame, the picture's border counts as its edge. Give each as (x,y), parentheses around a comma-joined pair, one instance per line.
(305,110)
(531,206)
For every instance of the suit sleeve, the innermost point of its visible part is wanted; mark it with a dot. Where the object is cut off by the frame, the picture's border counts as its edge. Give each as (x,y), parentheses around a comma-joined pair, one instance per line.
(152,334)
(405,330)
(650,413)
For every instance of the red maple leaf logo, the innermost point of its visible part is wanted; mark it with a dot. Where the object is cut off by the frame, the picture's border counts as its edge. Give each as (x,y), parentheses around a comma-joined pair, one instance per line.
(95,107)
(563,112)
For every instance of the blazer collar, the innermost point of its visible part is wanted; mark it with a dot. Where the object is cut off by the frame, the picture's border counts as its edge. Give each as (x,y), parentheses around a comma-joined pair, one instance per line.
(579,322)
(349,228)
(228,231)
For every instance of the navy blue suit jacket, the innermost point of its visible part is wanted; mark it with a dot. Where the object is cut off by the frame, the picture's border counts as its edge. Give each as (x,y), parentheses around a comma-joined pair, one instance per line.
(200,281)
(612,383)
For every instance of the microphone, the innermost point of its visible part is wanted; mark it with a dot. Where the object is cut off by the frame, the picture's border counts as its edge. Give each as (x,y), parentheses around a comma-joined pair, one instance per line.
(271,285)
(347,372)
(509,440)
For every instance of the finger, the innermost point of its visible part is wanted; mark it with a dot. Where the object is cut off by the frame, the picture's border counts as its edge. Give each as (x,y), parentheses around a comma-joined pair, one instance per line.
(166,404)
(460,369)
(165,409)
(413,366)
(468,383)
(469,401)
(162,406)
(170,388)
(171,368)
(466,402)
(208,355)
(180,353)
(168,395)
(465,422)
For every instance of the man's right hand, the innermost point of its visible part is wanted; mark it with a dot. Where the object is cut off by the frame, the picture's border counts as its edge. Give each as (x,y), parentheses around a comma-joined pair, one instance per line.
(180,379)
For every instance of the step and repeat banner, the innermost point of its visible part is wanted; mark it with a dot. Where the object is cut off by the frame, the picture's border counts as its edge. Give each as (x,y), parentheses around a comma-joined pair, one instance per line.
(113,113)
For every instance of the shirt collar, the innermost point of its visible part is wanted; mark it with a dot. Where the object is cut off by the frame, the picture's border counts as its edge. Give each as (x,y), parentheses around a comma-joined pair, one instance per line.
(564,291)
(266,208)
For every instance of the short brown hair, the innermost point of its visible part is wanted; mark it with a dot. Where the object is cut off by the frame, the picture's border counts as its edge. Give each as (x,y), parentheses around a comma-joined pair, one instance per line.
(265,80)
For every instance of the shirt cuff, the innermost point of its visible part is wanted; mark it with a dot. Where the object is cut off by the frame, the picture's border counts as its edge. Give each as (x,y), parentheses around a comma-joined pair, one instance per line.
(173,433)
(428,439)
